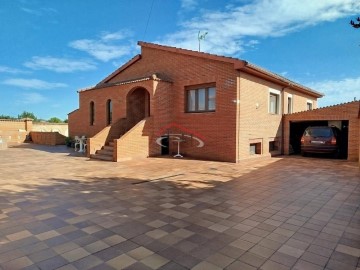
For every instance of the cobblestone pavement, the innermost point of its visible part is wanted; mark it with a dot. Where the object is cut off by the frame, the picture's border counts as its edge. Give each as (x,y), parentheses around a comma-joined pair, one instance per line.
(59,210)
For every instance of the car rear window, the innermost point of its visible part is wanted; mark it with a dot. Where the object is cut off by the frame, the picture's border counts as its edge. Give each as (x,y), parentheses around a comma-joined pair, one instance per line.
(318,132)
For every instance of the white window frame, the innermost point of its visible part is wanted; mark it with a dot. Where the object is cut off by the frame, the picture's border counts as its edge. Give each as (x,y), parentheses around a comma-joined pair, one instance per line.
(207,98)
(290,96)
(311,103)
(278,94)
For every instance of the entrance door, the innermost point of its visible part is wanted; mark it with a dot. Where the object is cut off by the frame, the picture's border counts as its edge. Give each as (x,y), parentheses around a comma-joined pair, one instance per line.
(165,146)
(138,106)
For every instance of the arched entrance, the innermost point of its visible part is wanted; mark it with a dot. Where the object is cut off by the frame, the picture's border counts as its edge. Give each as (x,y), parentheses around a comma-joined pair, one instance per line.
(137,106)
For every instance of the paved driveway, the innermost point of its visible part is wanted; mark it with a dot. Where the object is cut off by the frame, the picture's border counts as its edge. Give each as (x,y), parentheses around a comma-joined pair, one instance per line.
(62,211)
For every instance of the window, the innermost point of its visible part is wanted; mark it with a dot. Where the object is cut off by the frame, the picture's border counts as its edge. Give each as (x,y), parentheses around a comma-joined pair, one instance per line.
(309,105)
(273,146)
(290,104)
(255,148)
(201,100)
(274,103)
(109,112)
(92,113)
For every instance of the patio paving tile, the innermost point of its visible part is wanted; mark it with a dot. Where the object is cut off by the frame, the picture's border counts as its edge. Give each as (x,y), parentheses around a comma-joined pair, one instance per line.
(240,265)
(271,265)
(304,265)
(314,258)
(268,213)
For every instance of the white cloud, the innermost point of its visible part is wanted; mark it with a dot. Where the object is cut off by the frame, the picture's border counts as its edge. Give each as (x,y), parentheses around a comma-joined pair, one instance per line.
(33,83)
(40,11)
(61,65)
(337,91)
(230,28)
(107,36)
(5,69)
(31,11)
(188,4)
(32,98)
(105,48)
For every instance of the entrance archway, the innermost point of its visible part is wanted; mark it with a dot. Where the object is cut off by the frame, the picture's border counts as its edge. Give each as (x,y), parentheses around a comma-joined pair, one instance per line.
(138,106)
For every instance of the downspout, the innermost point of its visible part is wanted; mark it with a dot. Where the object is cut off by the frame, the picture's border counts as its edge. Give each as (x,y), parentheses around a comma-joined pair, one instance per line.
(238,119)
(282,122)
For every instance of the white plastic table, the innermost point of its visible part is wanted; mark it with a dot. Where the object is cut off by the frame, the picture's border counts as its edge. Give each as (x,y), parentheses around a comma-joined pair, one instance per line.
(178,142)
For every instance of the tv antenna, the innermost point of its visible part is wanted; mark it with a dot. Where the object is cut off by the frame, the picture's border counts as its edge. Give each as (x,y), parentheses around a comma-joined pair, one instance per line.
(201,37)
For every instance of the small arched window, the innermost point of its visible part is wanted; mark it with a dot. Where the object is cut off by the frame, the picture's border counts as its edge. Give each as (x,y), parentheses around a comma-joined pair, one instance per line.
(92,113)
(109,111)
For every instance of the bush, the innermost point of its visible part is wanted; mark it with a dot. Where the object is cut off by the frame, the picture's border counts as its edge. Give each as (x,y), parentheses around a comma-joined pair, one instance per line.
(69,142)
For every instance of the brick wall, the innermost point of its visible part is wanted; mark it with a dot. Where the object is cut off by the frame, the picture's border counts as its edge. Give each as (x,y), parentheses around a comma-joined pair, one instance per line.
(106,135)
(62,128)
(256,124)
(227,132)
(47,138)
(14,131)
(217,128)
(79,120)
(348,111)
(299,101)
(134,144)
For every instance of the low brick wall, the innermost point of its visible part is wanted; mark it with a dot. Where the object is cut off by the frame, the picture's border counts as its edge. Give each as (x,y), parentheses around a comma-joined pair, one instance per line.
(133,144)
(62,128)
(3,144)
(14,131)
(47,138)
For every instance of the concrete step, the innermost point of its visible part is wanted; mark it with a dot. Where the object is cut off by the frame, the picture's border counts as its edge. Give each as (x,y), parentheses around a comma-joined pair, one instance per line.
(105,152)
(111,144)
(108,148)
(102,157)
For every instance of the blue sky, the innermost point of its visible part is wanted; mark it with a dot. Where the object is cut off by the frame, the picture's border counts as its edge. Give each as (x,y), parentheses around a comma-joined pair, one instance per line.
(51,49)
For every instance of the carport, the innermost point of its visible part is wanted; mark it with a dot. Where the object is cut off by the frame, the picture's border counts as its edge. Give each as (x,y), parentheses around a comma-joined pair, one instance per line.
(297,129)
(344,116)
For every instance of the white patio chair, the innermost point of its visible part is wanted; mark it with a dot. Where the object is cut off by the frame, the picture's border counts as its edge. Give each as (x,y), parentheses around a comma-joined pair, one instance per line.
(77,142)
(84,142)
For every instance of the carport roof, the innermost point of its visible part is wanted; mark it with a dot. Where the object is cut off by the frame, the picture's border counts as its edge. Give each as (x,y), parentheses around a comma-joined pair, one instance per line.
(347,109)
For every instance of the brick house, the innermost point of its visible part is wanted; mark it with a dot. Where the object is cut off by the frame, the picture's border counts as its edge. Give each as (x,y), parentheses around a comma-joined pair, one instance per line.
(219,108)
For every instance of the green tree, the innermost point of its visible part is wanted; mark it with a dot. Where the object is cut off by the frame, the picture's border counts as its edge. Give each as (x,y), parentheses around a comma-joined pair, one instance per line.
(54,120)
(66,121)
(2,116)
(26,114)
(355,24)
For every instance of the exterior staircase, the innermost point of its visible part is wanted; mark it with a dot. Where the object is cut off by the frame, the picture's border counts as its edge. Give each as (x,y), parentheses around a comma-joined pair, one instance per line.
(118,136)
(106,153)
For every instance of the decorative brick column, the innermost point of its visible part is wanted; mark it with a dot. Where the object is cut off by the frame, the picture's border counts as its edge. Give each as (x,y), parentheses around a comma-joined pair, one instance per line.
(28,124)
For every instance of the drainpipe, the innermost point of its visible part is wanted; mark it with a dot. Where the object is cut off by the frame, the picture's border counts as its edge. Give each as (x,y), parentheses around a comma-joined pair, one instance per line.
(282,121)
(238,119)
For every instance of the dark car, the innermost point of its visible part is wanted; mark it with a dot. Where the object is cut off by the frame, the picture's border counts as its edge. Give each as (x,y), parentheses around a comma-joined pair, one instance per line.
(321,139)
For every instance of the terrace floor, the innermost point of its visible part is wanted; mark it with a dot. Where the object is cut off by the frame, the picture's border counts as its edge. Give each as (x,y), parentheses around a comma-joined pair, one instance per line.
(59,210)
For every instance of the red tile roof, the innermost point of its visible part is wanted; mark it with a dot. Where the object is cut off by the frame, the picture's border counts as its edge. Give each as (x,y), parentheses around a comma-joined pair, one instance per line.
(154,77)
(239,64)
(120,69)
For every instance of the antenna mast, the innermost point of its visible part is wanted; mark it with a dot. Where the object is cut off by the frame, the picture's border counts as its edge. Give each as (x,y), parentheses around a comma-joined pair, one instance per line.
(201,37)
